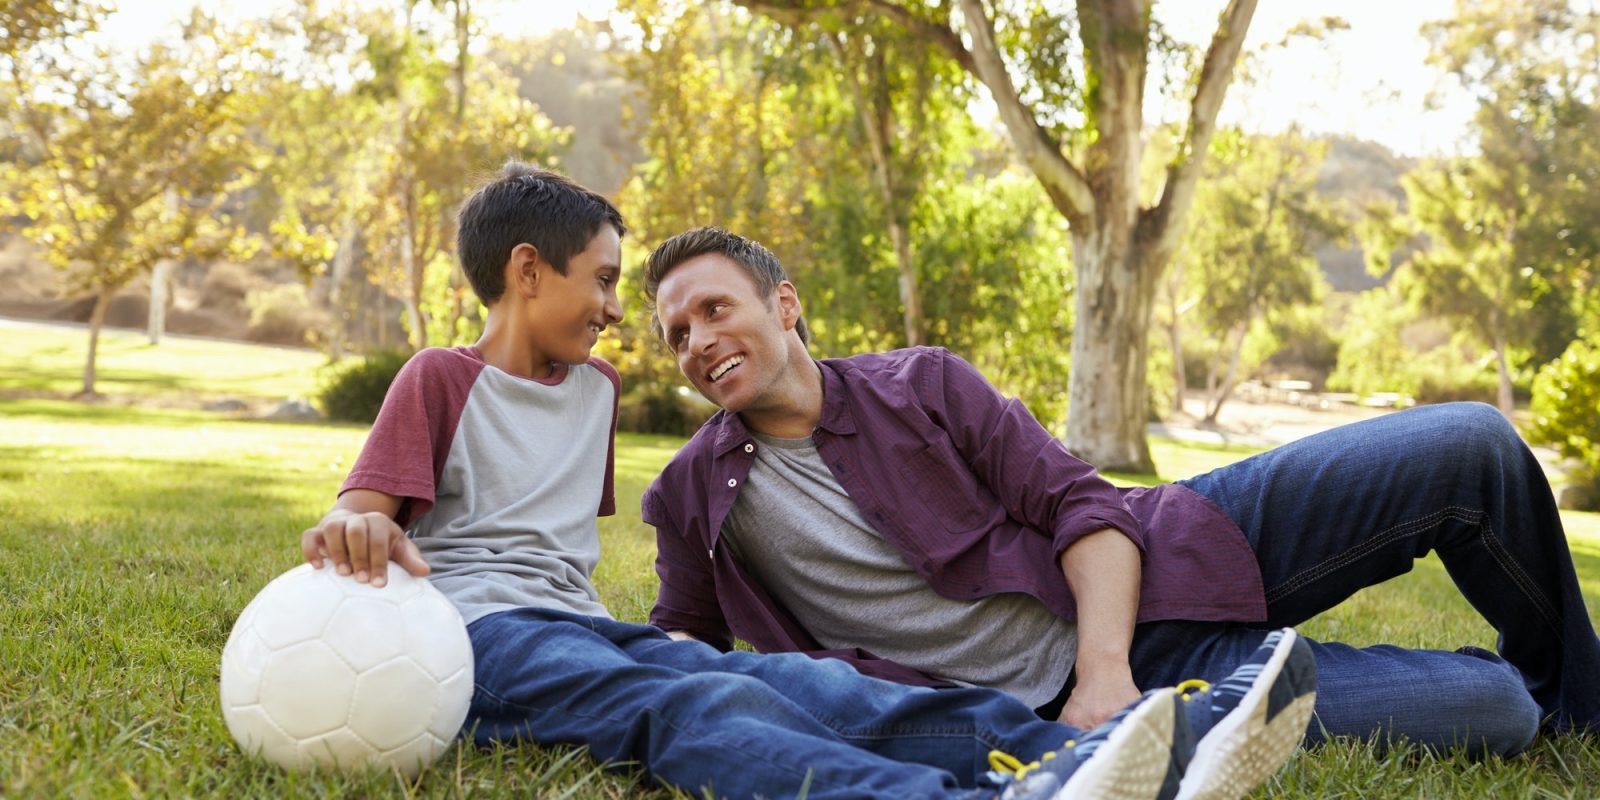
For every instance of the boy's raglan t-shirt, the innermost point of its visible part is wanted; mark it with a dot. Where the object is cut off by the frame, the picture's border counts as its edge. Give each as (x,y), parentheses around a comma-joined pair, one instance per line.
(500,477)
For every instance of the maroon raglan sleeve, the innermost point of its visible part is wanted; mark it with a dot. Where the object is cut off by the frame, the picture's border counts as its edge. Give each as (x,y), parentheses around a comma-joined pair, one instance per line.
(608,495)
(405,452)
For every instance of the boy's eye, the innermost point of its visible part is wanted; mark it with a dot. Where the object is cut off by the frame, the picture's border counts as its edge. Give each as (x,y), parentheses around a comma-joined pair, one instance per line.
(714,310)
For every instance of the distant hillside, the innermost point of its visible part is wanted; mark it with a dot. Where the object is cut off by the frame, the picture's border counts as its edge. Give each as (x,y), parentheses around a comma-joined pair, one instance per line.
(1357,171)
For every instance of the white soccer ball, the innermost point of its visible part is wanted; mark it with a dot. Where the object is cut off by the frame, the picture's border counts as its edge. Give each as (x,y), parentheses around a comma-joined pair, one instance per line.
(323,670)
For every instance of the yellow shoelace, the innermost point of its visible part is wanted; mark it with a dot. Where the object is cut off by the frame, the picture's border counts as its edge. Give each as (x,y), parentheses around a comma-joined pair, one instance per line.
(1007,764)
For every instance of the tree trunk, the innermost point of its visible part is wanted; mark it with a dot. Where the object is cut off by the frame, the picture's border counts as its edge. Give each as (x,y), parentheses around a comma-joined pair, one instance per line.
(338,277)
(1503,398)
(910,293)
(1221,392)
(101,302)
(160,281)
(1106,394)
(413,271)
(1180,377)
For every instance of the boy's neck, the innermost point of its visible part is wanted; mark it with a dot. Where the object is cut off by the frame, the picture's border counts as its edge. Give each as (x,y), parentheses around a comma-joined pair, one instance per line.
(506,348)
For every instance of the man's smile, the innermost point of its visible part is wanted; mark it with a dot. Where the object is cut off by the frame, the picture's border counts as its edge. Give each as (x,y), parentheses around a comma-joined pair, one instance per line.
(722,369)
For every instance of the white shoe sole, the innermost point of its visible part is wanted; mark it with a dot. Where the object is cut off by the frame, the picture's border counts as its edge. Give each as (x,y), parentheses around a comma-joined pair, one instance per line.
(1132,762)
(1245,749)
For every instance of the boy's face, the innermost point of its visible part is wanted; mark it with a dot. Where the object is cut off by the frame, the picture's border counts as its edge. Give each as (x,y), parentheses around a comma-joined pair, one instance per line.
(569,311)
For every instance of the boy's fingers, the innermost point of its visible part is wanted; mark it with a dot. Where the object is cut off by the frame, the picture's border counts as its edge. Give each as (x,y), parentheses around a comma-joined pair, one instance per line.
(378,555)
(356,535)
(333,537)
(408,555)
(311,547)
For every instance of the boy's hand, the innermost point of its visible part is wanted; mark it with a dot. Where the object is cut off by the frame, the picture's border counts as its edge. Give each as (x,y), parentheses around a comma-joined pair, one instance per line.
(362,544)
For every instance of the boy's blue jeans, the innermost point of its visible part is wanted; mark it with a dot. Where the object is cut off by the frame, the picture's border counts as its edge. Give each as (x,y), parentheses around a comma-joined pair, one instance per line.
(742,724)
(1354,506)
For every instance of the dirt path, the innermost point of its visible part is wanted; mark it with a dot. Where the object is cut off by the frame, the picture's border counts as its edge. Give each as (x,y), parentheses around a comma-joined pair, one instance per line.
(1269,424)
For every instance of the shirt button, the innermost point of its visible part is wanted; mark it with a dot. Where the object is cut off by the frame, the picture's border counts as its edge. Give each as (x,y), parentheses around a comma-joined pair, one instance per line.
(732,482)
(749,448)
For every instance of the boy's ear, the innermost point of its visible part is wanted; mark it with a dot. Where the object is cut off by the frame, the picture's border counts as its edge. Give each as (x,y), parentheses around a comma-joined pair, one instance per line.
(522,270)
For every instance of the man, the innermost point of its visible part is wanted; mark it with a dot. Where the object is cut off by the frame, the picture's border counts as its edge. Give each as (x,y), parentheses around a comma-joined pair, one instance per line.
(895,511)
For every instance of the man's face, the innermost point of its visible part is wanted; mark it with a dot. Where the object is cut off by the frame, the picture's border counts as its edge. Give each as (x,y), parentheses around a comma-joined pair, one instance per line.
(573,309)
(730,342)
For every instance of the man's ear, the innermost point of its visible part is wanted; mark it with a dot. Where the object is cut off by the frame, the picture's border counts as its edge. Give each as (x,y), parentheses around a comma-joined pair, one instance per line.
(523,270)
(788,299)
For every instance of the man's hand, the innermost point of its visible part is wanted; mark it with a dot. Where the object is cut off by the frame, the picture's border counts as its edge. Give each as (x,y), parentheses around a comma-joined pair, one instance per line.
(1093,703)
(360,537)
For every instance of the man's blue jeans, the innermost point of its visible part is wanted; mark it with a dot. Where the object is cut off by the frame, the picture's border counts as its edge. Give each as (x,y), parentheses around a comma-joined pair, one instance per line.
(741,723)
(1333,513)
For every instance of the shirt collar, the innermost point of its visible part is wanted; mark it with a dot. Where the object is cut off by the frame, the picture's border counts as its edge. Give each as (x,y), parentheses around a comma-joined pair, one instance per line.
(836,416)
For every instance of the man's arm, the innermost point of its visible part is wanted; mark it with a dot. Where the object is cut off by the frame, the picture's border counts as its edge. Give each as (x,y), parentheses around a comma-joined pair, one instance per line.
(1102,571)
(1048,489)
(686,600)
(359,535)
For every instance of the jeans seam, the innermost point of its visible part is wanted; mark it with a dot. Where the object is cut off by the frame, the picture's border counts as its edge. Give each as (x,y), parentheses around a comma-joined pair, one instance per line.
(1521,579)
(1396,532)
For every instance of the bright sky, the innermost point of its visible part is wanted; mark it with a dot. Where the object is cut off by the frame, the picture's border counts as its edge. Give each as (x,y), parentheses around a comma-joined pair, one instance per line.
(1370,81)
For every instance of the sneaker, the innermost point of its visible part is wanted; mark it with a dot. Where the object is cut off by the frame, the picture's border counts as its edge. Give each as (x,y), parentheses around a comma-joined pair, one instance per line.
(1251,722)
(1126,758)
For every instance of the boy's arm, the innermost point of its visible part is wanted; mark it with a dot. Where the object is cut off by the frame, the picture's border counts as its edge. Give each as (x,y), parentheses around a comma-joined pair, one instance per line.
(360,536)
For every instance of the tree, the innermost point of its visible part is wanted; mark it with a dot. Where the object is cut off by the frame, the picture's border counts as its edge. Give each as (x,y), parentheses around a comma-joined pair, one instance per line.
(128,167)
(1070,90)
(1511,230)
(1249,254)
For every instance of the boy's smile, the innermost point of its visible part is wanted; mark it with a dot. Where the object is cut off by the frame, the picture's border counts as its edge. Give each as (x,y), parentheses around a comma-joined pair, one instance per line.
(569,312)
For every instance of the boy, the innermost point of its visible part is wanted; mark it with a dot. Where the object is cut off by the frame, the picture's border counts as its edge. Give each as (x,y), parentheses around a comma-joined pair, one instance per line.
(486,469)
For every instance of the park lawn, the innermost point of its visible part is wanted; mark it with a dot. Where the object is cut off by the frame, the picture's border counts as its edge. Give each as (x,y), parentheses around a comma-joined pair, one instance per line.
(44,360)
(132,537)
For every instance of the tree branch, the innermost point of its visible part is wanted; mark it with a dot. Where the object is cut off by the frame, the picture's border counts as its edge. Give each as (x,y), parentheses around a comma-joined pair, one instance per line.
(1062,180)
(1161,225)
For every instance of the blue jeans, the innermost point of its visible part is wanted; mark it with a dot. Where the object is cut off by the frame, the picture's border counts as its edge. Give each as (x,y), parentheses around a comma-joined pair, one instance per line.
(1349,508)
(740,723)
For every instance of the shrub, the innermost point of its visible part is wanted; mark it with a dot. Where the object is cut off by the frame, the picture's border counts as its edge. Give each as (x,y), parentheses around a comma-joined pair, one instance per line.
(666,412)
(283,314)
(1566,412)
(353,390)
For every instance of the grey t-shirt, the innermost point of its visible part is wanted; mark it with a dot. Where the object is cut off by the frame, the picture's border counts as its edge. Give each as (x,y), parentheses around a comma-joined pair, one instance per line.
(800,535)
(501,477)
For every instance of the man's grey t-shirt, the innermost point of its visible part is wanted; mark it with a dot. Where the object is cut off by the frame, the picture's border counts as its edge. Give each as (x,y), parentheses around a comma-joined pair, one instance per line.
(799,534)
(501,477)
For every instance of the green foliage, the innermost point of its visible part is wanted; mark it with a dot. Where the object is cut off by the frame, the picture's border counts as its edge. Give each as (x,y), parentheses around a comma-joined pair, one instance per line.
(674,412)
(1566,411)
(1385,347)
(353,389)
(1247,260)
(283,314)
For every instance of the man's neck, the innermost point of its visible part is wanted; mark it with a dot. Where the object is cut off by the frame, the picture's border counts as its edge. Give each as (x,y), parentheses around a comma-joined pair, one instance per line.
(798,411)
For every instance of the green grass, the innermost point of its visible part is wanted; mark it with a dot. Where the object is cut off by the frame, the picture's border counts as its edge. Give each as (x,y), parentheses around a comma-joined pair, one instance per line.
(131,537)
(41,360)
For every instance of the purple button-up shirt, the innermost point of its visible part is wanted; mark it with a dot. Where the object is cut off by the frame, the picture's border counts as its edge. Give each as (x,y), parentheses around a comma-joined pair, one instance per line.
(975,494)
